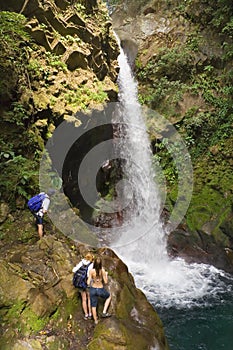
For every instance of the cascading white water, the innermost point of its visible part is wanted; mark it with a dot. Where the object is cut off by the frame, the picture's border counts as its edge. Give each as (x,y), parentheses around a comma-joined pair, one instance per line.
(141,243)
(141,218)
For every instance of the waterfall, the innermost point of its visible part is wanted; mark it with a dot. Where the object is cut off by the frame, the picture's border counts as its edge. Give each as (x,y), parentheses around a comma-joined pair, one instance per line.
(142,217)
(141,243)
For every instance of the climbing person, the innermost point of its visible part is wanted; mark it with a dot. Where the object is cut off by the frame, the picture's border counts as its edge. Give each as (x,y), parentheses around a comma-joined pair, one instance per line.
(96,280)
(86,262)
(39,205)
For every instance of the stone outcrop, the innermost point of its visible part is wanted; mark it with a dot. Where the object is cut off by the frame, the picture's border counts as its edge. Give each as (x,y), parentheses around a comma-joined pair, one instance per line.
(58,58)
(200,247)
(39,307)
(74,39)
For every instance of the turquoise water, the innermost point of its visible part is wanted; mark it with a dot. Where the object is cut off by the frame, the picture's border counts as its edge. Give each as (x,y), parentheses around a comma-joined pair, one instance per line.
(200,328)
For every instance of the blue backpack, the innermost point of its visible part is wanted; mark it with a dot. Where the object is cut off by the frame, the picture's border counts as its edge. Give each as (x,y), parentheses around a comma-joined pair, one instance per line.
(80,277)
(35,203)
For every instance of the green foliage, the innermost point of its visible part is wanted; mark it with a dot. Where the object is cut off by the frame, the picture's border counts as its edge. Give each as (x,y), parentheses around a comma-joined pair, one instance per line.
(35,69)
(163,153)
(13,53)
(55,61)
(18,176)
(165,78)
(193,41)
(228,29)
(69,39)
(81,9)
(12,28)
(30,322)
(228,50)
(203,87)
(181,6)
(17,114)
(84,95)
(200,128)
(163,90)
(173,63)
(211,199)
(213,125)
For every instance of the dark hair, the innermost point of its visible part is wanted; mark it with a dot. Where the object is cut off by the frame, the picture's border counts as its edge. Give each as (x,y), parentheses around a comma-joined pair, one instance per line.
(98,266)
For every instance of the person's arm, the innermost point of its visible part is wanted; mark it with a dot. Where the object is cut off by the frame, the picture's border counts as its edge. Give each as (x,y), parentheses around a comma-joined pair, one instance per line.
(89,278)
(45,205)
(77,267)
(105,276)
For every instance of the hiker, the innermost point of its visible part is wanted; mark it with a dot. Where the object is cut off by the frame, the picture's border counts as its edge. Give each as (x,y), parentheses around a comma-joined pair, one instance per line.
(85,295)
(39,205)
(96,280)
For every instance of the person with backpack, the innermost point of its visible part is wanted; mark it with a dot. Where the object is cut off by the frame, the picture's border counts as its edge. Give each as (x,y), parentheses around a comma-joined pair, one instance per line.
(39,205)
(96,280)
(81,273)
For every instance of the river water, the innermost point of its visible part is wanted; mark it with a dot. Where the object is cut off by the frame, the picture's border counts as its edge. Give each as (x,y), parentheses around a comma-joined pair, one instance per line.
(200,328)
(197,315)
(194,301)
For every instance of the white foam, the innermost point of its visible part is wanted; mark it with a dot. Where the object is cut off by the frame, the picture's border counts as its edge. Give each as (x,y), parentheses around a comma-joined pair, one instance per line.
(178,284)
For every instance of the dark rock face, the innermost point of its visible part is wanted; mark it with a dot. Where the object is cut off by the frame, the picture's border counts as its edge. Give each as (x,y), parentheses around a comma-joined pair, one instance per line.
(200,247)
(37,297)
(75,60)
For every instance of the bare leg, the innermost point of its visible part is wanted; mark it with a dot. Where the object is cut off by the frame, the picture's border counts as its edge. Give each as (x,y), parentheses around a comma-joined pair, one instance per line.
(106,304)
(84,302)
(94,314)
(40,230)
(89,303)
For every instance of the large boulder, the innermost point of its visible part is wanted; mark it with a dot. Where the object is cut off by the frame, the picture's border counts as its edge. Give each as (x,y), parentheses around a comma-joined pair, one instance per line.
(37,296)
(198,246)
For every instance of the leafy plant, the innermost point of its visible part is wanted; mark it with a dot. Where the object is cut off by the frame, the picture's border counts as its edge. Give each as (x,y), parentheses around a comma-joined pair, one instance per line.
(55,61)
(18,114)
(18,177)
(85,95)
(13,53)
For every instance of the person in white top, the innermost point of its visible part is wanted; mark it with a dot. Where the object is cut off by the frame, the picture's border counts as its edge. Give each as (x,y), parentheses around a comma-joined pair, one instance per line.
(85,295)
(43,210)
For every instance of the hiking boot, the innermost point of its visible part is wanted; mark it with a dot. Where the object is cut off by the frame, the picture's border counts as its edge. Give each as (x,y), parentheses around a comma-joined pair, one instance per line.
(106,314)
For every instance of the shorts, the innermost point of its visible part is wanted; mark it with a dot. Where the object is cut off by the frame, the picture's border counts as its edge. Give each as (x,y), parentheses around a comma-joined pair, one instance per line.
(39,219)
(95,293)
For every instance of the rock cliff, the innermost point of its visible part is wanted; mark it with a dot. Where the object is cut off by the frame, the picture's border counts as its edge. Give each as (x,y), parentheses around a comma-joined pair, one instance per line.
(57,58)
(73,44)
(40,309)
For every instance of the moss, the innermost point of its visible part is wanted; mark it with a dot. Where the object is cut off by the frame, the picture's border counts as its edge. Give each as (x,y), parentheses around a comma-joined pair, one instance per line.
(19,319)
(209,207)
(124,307)
(64,314)
(15,311)
(30,322)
